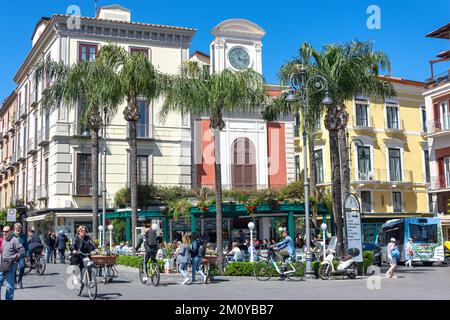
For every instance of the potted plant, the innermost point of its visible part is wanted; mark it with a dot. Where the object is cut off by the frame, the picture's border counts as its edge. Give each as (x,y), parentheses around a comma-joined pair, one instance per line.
(251,205)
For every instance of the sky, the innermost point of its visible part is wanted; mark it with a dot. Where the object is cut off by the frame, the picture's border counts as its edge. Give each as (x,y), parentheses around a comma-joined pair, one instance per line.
(403,25)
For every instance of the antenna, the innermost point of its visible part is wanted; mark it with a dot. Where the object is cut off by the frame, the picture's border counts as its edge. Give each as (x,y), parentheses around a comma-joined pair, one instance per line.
(95,8)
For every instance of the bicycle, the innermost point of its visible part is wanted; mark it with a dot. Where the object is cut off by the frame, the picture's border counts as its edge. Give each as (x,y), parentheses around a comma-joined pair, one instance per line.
(152,273)
(39,264)
(87,278)
(289,268)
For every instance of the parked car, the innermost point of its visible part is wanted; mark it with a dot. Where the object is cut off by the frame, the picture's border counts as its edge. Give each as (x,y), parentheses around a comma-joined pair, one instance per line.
(367,246)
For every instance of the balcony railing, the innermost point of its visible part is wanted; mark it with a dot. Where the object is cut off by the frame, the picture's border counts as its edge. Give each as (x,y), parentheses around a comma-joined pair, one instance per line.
(33,99)
(363,122)
(23,110)
(31,195)
(440,182)
(439,79)
(383,176)
(438,126)
(32,147)
(13,159)
(21,153)
(17,200)
(43,136)
(42,192)
(83,188)
(144,131)
(395,125)
(17,117)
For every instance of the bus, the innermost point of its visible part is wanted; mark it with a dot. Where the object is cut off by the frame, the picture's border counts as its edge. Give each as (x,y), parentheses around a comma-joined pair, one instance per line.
(425,232)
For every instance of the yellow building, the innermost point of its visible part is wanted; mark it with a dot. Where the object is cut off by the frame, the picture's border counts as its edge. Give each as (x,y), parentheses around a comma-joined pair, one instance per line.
(388,155)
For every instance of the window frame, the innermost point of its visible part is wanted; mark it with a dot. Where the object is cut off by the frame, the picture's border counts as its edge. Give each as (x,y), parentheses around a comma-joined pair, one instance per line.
(394,209)
(400,162)
(88,45)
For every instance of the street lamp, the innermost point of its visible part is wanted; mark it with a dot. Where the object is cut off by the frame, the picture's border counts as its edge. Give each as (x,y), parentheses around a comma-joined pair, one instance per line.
(301,86)
(324,228)
(100,230)
(251,226)
(104,176)
(110,228)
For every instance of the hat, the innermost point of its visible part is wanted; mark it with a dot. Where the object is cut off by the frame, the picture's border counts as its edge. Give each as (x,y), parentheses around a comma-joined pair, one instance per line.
(392,239)
(410,239)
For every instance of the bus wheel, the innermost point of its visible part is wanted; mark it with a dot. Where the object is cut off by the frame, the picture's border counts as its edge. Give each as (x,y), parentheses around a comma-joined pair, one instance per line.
(427,264)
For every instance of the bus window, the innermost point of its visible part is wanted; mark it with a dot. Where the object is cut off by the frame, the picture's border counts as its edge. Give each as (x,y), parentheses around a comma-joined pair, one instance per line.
(423,233)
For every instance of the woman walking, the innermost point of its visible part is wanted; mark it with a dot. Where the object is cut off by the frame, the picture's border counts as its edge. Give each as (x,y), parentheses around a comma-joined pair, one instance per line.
(183,258)
(392,255)
(409,250)
(196,257)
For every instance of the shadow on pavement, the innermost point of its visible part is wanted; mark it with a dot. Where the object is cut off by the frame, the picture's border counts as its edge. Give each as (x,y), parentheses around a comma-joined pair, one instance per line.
(37,287)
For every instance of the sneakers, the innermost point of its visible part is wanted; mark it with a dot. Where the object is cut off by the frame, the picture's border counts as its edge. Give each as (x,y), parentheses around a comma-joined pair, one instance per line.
(205,279)
(145,279)
(185,281)
(20,284)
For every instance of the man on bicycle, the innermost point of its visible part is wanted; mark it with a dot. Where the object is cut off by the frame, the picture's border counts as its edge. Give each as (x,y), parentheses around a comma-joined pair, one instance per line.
(285,247)
(150,245)
(81,244)
(35,246)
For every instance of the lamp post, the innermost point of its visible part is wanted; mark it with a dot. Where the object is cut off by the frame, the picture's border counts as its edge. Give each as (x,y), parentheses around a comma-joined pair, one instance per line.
(110,228)
(301,86)
(251,226)
(100,236)
(324,228)
(104,178)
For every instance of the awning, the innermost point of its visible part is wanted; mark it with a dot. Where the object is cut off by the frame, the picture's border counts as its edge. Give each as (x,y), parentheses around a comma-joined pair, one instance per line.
(73,214)
(37,218)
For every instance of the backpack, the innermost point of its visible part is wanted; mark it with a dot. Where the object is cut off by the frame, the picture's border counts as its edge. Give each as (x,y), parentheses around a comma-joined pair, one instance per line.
(395,253)
(202,250)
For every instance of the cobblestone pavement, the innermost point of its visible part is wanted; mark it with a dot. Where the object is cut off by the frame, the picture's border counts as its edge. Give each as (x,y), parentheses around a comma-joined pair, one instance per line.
(416,283)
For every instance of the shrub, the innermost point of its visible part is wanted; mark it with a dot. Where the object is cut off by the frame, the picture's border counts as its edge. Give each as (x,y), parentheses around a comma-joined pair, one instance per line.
(242,269)
(136,262)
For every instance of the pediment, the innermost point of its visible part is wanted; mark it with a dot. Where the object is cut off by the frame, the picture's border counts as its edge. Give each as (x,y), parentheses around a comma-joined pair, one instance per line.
(233,27)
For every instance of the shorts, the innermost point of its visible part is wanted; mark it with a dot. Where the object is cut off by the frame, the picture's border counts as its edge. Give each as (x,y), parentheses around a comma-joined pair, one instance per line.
(392,261)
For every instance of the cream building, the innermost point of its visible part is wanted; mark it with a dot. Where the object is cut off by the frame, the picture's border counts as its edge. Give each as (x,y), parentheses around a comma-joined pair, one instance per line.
(53,158)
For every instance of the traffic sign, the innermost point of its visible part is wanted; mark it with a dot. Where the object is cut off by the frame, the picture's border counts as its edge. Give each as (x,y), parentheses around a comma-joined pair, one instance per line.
(11,216)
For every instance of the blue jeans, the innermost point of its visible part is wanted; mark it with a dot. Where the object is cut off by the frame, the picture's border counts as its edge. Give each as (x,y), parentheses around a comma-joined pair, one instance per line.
(49,254)
(9,277)
(62,256)
(184,269)
(21,265)
(196,263)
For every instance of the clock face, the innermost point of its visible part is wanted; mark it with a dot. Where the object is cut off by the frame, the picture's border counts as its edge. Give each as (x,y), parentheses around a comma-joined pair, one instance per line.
(239,58)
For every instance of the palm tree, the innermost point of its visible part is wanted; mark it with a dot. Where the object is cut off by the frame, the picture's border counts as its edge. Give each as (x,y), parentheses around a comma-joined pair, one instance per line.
(138,79)
(93,84)
(195,91)
(351,69)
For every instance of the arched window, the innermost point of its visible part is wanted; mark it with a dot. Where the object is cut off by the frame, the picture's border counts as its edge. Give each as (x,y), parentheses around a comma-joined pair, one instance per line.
(243,164)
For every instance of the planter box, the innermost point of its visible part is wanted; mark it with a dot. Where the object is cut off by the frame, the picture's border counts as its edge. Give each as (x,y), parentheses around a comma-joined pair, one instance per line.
(104,260)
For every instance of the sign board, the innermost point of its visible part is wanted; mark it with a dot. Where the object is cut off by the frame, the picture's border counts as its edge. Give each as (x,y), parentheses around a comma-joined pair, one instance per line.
(11,215)
(351,203)
(354,239)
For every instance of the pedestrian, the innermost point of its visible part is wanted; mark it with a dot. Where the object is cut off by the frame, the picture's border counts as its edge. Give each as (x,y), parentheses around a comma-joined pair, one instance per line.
(49,246)
(241,236)
(60,245)
(54,247)
(409,250)
(11,252)
(23,240)
(392,255)
(183,258)
(196,256)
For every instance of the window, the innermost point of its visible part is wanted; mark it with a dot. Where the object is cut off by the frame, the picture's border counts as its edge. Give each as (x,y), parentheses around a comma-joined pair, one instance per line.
(185,120)
(430,203)
(366,201)
(24,140)
(362,119)
(297,168)
(447,171)
(364,165)
(46,172)
(392,117)
(397,201)
(426,158)
(135,50)
(142,170)
(35,130)
(47,75)
(445,116)
(87,52)
(395,166)
(423,233)
(143,127)
(84,174)
(318,125)
(23,185)
(424,118)
(297,126)
(318,159)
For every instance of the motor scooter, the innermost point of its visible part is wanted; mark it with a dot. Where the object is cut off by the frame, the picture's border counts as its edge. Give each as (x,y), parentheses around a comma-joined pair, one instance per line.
(347,267)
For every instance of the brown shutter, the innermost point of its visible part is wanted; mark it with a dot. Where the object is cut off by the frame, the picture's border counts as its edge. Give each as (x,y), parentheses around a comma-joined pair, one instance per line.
(441,173)
(437,117)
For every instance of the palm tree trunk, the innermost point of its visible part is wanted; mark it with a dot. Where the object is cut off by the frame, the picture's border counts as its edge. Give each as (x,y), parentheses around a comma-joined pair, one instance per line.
(94,169)
(312,176)
(337,192)
(133,178)
(343,149)
(218,186)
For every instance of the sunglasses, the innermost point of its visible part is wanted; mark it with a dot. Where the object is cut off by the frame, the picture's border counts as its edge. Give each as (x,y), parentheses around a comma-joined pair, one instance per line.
(6,231)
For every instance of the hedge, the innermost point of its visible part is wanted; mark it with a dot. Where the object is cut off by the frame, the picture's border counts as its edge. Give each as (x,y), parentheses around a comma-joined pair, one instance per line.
(136,262)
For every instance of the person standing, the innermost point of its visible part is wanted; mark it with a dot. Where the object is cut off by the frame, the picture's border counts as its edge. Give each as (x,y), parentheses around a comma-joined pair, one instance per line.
(60,245)
(241,236)
(409,252)
(183,258)
(196,257)
(49,246)
(391,257)
(23,240)
(11,252)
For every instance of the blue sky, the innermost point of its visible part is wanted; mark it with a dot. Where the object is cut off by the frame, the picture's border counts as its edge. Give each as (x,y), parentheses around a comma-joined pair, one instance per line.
(287,23)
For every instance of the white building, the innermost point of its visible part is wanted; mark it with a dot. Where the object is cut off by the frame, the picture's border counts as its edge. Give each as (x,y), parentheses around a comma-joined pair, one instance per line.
(53,160)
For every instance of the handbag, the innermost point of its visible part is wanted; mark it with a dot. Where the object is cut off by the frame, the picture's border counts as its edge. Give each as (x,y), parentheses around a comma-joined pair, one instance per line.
(6,265)
(395,253)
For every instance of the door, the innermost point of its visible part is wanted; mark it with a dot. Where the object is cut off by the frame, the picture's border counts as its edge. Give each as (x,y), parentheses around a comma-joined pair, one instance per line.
(243,165)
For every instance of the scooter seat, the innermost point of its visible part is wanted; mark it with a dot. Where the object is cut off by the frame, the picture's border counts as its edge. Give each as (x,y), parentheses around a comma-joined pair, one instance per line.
(345,258)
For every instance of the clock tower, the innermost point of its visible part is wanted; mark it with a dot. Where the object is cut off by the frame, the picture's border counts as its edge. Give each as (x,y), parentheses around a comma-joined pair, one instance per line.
(237,45)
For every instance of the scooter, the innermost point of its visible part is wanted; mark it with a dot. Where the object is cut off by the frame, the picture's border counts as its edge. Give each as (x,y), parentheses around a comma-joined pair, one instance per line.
(447,252)
(347,266)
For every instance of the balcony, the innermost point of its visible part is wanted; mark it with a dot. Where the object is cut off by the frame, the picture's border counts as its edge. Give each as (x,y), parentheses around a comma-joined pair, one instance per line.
(33,99)
(83,188)
(144,131)
(440,183)
(31,196)
(13,160)
(21,154)
(439,79)
(16,117)
(363,123)
(382,176)
(438,129)
(17,200)
(32,147)
(395,126)
(42,192)
(43,137)
(23,110)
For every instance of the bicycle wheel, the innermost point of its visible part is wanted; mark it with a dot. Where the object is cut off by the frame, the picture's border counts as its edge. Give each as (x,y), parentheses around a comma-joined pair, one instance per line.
(142,275)
(28,267)
(352,272)
(263,270)
(91,283)
(299,272)
(41,264)
(325,271)
(154,273)
(79,284)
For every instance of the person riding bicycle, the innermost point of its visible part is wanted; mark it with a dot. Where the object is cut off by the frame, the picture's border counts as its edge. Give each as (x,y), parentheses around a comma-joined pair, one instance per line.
(35,246)
(285,247)
(81,247)
(150,244)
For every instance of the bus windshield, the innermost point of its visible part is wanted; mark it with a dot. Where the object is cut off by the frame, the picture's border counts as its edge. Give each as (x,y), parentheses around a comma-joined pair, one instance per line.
(423,233)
